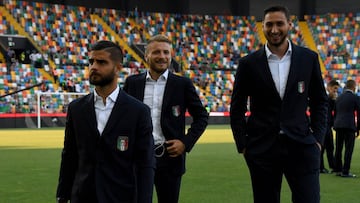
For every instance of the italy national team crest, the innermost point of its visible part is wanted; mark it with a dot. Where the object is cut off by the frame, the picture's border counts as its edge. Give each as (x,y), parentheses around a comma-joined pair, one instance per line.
(122,143)
(176,110)
(301,87)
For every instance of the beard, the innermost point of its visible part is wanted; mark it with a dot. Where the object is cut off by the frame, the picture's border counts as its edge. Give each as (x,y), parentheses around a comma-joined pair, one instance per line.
(98,80)
(277,43)
(159,69)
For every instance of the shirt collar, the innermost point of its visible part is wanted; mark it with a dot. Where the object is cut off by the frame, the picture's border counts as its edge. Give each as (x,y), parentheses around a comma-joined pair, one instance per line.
(269,53)
(163,76)
(349,90)
(113,96)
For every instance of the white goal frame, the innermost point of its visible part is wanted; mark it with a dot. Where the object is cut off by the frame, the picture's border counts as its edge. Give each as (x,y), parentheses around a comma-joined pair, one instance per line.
(39,94)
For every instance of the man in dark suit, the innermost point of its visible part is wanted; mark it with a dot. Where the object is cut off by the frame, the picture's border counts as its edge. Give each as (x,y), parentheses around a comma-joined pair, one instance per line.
(279,82)
(346,128)
(108,151)
(168,96)
(332,89)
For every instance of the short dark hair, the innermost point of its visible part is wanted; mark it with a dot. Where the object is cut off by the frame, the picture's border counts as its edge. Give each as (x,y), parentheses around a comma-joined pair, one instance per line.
(115,51)
(333,83)
(350,84)
(283,9)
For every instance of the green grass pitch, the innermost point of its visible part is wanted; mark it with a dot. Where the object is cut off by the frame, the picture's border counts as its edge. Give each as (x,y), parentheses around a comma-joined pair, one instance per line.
(29,167)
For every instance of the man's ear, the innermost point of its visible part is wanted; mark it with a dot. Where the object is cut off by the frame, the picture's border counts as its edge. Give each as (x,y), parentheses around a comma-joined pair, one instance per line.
(119,66)
(291,25)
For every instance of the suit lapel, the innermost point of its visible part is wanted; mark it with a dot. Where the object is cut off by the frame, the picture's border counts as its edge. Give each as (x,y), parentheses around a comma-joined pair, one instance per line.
(140,82)
(115,113)
(167,93)
(294,70)
(264,71)
(90,112)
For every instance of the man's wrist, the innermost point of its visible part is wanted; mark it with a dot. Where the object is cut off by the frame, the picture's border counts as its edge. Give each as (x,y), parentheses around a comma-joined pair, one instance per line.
(61,200)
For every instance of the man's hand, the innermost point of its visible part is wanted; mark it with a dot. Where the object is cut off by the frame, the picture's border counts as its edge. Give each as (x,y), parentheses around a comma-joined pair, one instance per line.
(175,147)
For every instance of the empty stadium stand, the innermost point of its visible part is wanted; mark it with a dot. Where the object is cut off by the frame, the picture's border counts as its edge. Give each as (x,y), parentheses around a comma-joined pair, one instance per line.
(207,48)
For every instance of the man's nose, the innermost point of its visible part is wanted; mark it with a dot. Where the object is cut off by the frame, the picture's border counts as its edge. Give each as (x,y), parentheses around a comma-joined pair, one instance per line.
(274,29)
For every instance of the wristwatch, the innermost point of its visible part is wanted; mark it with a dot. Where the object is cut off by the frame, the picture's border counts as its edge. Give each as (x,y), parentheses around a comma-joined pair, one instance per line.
(61,200)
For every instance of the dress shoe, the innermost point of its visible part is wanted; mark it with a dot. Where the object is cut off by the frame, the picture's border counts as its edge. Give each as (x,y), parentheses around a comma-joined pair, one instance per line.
(324,170)
(338,173)
(334,171)
(348,175)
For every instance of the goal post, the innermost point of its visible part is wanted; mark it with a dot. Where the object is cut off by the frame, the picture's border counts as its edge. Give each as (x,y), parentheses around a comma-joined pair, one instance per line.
(54,103)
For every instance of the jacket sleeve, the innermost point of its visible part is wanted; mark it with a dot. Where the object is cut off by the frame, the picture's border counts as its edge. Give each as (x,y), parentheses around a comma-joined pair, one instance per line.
(357,109)
(318,102)
(238,107)
(69,160)
(198,113)
(144,157)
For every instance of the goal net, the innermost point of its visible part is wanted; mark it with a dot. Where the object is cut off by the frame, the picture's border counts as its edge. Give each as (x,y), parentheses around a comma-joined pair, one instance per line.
(52,107)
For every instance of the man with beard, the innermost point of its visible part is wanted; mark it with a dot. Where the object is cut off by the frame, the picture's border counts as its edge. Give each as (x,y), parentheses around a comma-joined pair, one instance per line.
(280,82)
(332,89)
(169,96)
(108,153)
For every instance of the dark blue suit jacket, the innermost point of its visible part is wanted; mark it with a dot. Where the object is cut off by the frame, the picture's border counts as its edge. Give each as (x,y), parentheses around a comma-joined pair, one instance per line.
(117,166)
(179,95)
(270,113)
(345,107)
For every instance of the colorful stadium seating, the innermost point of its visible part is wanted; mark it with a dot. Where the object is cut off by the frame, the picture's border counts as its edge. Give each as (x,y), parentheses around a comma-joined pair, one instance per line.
(338,41)
(207,47)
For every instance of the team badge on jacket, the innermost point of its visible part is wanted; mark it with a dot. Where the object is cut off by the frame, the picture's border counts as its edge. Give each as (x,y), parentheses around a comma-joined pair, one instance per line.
(176,110)
(122,143)
(301,87)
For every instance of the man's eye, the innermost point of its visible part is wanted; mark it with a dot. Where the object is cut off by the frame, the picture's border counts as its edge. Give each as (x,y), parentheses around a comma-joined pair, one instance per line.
(101,62)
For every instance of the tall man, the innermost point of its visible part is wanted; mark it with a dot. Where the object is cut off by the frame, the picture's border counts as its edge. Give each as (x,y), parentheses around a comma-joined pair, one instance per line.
(346,128)
(280,81)
(168,96)
(108,151)
(332,89)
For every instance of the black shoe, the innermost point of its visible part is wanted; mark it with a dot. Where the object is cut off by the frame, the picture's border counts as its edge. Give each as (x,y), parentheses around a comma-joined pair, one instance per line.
(324,170)
(338,173)
(348,175)
(334,171)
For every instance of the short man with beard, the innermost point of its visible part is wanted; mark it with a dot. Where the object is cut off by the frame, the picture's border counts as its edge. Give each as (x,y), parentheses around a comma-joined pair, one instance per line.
(108,153)
(169,96)
(279,82)
(332,89)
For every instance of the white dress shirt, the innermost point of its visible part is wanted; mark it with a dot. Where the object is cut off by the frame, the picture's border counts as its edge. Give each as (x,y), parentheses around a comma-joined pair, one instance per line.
(102,110)
(279,68)
(153,97)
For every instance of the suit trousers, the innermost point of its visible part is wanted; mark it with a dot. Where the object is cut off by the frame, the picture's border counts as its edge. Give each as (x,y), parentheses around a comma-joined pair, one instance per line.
(347,137)
(167,183)
(329,148)
(297,161)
